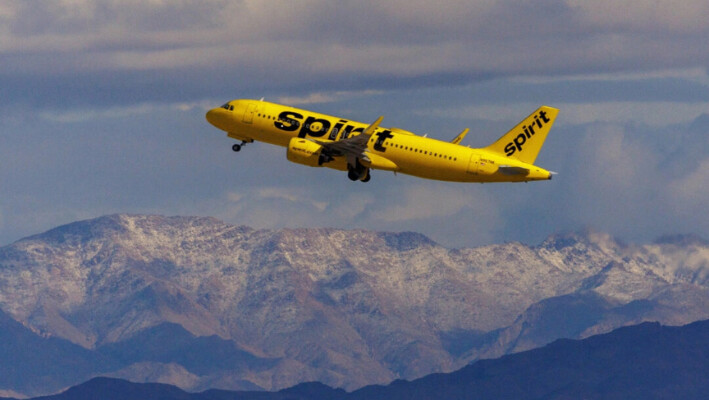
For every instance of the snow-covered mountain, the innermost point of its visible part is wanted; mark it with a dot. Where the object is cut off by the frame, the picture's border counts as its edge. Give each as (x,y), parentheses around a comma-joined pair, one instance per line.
(199,303)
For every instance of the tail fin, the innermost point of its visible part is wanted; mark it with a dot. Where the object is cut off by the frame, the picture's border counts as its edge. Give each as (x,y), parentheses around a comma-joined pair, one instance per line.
(525,140)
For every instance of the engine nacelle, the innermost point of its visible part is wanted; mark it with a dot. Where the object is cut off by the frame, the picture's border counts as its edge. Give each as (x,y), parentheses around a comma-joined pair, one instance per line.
(302,151)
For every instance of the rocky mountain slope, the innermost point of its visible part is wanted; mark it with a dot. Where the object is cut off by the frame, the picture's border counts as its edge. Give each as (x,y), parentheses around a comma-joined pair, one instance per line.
(202,304)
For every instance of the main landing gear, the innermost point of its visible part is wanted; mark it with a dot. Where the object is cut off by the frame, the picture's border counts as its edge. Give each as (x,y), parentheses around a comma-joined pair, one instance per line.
(358,172)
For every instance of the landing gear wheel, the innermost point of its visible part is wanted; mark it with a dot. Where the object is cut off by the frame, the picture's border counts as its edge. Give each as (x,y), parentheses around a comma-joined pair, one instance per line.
(352,175)
(363,176)
(236,147)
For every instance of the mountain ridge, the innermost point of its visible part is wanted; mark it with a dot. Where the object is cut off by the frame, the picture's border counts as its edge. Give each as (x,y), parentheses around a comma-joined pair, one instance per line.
(648,361)
(346,307)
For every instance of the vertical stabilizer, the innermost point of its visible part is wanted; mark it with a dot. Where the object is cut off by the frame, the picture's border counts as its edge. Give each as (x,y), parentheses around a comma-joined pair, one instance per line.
(525,140)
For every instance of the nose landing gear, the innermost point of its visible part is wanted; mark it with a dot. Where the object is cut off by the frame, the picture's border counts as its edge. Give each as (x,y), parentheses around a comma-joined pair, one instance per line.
(237,147)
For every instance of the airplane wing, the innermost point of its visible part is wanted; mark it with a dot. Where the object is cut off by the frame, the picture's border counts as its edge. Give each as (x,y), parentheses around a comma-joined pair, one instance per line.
(353,147)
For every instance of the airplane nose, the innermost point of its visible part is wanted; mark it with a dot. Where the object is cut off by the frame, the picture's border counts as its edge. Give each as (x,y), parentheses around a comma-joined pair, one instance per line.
(211,116)
(215,117)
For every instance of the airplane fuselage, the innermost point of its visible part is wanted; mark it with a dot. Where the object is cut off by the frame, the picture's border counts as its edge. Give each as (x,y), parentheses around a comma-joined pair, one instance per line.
(389,149)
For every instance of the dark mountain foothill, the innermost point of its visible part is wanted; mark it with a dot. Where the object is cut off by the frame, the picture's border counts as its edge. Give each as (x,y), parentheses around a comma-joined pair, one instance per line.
(646,361)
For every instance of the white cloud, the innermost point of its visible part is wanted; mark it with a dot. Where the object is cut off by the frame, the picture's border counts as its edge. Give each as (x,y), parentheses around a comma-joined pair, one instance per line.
(273,207)
(647,15)
(697,75)
(654,113)
(117,112)
(325,97)
(234,197)
(690,193)
(658,113)
(350,209)
(394,37)
(422,201)
(72,116)
(291,195)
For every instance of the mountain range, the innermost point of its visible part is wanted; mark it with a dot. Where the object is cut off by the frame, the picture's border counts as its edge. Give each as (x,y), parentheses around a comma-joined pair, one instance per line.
(646,361)
(201,304)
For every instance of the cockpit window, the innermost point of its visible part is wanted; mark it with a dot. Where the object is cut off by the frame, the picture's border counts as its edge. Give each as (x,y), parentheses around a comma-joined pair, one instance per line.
(226,106)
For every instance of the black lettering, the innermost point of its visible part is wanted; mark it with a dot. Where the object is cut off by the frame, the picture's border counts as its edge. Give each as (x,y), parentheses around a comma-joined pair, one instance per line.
(519,141)
(526,131)
(536,119)
(336,129)
(381,137)
(510,149)
(287,121)
(543,114)
(346,131)
(307,129)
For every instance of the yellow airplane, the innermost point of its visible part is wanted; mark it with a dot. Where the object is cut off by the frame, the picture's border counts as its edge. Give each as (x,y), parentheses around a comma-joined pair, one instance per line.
(319,140)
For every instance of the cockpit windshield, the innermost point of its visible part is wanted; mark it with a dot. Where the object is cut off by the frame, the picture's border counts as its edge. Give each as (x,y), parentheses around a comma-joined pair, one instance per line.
(228,107)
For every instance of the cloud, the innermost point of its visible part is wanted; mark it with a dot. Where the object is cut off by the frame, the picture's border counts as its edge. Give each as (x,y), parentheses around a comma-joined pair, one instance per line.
(273,207)
(657,99)
(300,47)
(634,181)
(688,196)
(651,113)
(422,201)
(118,112)
(644,15)
(322,97)
(454,215)
(656,113)
(103,104)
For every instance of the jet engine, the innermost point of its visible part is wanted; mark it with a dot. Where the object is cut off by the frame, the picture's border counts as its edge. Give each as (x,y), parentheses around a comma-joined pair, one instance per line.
(302,151)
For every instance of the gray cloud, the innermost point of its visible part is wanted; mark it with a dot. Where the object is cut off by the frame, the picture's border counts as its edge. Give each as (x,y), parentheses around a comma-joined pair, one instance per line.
(68,47)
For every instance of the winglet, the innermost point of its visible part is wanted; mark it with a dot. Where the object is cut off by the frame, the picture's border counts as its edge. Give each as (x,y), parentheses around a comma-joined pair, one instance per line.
(373,127)
(460,137)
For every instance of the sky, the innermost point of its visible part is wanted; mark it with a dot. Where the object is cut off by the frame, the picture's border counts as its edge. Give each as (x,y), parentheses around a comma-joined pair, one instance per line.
(102,109)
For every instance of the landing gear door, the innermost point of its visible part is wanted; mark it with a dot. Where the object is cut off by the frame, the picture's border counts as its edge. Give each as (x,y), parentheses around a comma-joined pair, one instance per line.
(251,109)
(474,164)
